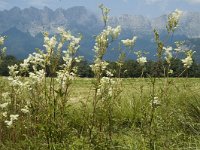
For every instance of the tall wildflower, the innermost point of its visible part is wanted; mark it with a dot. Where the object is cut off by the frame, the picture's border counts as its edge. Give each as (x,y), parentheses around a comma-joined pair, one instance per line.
(103,86)
(68,69)
(100,48)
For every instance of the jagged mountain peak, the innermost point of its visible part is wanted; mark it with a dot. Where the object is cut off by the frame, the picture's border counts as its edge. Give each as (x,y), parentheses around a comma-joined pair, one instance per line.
(79,18)
(26,25)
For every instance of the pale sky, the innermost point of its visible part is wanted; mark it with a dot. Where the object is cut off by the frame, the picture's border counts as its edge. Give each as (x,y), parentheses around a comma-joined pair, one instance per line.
(149,8)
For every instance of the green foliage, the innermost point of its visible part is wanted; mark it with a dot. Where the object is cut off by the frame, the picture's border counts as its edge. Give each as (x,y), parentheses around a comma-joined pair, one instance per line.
(7,61)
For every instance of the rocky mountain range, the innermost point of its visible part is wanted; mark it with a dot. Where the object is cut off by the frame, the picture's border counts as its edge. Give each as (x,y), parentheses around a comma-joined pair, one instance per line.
(23,27)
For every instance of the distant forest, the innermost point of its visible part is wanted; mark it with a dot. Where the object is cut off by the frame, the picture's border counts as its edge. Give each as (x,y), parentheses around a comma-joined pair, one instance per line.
(129,69)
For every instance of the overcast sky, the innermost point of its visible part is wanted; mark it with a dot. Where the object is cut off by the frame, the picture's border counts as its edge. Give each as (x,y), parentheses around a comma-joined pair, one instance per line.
(149,8)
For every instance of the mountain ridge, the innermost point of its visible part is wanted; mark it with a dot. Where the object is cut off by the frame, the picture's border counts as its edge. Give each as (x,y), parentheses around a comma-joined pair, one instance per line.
(33,21)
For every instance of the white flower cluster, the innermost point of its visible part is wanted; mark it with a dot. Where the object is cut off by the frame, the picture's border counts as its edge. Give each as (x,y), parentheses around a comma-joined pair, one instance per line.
(179,46)
(37,76)
(103,38)
(105,89)
(13,70)
(168,54)
(187,62)
(129,42)
(176,15)
(173,20)
(2,40)
(6,99)
(99,65)
(49,43)
(68,71)
(142,60)
(105,12)
(114,32)
(101,46)
(4,105)
(14,79)
(25,110)
(12,118)
(2,50)
(156,102)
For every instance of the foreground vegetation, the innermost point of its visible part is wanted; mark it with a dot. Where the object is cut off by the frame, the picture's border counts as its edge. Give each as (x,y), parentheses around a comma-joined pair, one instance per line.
(43,105)
(175,123)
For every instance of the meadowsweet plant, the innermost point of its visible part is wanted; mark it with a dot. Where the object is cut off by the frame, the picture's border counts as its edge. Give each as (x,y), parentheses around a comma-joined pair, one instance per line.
(100,65)
(104,94)
(165,54)
(50,93)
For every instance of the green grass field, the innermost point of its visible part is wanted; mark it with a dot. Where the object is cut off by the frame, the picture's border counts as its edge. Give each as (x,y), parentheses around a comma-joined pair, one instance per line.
(175,124)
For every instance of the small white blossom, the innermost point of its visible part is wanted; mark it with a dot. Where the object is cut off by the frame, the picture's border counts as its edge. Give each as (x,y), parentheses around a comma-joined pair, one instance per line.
(142,60)
(25,64)
(180,47)
(116,32)
(38,76)
(66,35)
(13,70)
(173,20)
(14,117)
(156,102)
(129,42)
(49,43)
(25,110)
(9,123)
(168,54)
(4,105)
(109,74)
(5,95)
(187,62)
(5,114)
(177,14)
(2,40)
(170,71)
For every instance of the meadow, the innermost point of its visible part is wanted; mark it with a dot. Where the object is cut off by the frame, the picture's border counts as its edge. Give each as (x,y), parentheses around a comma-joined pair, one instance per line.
(175,123)
(45,105)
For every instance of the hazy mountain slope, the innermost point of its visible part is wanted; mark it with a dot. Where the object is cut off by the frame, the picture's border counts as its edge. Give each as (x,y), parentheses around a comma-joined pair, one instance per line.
(24,27)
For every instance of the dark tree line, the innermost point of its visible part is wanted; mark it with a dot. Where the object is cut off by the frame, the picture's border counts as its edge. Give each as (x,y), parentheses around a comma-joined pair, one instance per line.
(7,61)
(129,69)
